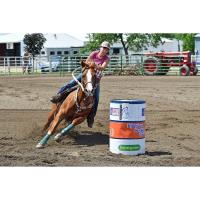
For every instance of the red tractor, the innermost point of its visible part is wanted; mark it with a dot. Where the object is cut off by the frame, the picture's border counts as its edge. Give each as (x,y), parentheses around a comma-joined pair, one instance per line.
(160,63)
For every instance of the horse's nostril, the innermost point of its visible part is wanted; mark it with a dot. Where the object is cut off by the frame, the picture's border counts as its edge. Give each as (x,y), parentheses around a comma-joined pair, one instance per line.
(88,91)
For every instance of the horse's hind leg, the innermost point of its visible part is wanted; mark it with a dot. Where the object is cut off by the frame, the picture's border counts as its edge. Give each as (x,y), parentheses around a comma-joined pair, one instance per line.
(50,118)
(58,118)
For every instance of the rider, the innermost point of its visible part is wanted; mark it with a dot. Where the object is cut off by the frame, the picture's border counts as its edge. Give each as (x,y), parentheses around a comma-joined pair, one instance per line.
(101,60)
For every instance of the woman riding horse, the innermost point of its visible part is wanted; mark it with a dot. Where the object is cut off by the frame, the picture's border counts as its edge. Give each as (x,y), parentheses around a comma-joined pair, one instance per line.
(101,60)
(75,108)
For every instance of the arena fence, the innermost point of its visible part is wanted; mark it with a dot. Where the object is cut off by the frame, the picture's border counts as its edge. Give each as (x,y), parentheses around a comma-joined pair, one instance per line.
(137,64)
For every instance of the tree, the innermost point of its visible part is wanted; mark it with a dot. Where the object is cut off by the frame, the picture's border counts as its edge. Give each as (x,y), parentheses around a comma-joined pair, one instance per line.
(189,42)
(34,43)
(132,41)
(95,39)
(139,41)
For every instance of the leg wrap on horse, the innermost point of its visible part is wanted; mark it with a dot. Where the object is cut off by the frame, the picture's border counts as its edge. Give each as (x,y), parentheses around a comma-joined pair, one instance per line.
(43,141)
(67,129)
(64,132)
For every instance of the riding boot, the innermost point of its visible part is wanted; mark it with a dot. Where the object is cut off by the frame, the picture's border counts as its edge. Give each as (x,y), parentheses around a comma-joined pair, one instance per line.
(62,96)
(59,97)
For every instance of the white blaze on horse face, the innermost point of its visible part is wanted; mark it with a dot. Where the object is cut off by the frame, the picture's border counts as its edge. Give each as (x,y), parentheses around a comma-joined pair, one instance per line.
(89,86)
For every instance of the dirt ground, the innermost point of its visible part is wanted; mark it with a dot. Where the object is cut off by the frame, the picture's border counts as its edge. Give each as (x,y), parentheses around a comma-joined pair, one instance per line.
(172,122)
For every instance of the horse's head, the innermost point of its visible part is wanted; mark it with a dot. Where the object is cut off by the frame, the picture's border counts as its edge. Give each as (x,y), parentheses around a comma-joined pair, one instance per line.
(88,77)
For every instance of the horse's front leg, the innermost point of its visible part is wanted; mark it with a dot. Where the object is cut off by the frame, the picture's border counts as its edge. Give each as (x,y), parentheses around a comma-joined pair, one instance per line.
(59,117)
(78,120)
(66,130)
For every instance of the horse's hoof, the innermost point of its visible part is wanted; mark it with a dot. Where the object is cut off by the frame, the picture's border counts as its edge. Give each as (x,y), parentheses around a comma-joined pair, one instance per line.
(40,146)
(58,137)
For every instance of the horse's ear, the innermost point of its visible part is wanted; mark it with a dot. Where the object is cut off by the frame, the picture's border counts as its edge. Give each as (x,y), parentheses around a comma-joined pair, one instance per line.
(82,63)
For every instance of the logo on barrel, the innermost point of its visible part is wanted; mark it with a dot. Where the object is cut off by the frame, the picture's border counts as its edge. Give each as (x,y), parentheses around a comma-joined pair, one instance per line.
(133,147)
(125,114)
(136,127)
(115,111)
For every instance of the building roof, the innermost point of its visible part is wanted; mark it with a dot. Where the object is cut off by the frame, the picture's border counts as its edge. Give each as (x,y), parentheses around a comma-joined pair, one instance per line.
(197,35)
(54,40)
(61,40)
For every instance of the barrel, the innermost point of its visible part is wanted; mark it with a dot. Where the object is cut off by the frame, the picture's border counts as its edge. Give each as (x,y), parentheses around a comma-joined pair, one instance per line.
(127,126)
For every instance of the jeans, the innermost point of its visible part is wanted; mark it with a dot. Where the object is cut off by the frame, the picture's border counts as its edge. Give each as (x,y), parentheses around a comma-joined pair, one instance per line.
(73,83)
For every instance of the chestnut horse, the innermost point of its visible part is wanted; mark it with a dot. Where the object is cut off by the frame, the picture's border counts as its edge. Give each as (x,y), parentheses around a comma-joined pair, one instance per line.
(75,108)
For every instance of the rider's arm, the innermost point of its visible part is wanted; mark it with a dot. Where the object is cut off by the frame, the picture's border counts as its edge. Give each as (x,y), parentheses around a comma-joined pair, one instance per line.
(103,66)
(98,67)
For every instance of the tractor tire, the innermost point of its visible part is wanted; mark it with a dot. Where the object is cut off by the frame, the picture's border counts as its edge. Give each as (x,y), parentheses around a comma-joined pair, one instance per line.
(184,70)
(151,66)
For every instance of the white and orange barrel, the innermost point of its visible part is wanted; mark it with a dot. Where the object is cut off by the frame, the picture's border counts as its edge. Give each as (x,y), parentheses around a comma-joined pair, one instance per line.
(127,126)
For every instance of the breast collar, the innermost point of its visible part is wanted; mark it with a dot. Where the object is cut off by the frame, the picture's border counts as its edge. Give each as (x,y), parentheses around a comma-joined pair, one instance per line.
(79,107)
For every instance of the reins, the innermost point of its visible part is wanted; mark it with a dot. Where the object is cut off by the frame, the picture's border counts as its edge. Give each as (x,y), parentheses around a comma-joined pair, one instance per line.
(80,84)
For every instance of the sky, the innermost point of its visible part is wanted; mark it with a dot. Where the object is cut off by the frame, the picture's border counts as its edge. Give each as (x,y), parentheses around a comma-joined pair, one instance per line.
(78,35)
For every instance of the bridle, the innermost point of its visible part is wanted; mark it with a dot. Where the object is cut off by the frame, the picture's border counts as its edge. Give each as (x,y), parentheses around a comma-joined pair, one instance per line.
(82,84)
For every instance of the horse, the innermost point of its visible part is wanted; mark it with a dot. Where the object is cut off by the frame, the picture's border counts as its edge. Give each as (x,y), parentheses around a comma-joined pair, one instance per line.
(75,108)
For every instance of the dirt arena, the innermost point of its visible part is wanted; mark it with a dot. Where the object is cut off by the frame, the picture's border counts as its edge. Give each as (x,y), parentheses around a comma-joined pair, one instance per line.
(172,123)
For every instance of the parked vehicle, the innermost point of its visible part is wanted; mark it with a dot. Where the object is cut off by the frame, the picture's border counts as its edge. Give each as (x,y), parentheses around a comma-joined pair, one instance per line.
(49,65)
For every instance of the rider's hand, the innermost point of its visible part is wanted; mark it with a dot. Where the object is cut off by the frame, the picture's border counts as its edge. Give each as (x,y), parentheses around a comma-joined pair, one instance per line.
(98,67)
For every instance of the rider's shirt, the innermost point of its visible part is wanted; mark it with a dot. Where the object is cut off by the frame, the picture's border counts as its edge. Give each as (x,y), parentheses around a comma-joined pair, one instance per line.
(98,61)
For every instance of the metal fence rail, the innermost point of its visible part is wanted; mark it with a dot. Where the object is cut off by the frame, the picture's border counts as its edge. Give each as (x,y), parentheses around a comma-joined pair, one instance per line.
(136,64)
(13,65)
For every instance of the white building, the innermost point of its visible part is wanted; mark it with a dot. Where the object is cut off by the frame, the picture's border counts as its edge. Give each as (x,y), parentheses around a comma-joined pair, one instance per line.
(57,44)
(197,44)
(167,45)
